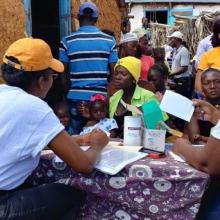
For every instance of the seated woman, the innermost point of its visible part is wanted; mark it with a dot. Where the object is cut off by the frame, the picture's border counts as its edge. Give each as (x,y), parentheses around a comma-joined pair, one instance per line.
(127,73)
(98,112)
(198,128)
(28,124)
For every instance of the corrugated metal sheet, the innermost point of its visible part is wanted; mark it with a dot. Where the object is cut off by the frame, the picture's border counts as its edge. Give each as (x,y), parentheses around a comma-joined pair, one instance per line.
(176,1)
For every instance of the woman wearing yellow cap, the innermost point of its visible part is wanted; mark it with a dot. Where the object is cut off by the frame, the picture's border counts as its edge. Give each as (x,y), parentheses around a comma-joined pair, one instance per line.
(126,76)
(28,125)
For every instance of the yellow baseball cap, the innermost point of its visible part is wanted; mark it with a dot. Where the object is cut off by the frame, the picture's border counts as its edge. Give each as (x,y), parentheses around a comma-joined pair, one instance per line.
(33,55)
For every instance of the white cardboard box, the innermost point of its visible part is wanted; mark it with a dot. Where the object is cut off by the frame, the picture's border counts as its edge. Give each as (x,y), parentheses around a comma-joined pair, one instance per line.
(154,139)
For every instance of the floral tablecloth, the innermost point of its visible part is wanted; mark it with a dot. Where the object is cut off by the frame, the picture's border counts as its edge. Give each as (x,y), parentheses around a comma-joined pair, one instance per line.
(147,189)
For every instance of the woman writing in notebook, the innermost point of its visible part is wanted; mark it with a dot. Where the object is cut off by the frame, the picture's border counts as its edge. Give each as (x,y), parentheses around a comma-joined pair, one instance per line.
(28,70)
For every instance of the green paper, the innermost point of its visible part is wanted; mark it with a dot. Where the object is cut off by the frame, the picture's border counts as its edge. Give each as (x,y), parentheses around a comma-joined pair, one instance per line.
(152,114)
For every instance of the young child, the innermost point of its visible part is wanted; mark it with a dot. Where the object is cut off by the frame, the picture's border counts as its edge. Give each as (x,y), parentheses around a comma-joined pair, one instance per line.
(61,109)
(98,119)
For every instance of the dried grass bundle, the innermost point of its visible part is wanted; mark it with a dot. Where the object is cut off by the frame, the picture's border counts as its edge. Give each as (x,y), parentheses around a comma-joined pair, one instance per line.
(194,29)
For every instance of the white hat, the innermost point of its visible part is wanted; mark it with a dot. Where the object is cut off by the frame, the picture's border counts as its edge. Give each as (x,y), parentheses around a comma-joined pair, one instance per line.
(128,37)
(176,34)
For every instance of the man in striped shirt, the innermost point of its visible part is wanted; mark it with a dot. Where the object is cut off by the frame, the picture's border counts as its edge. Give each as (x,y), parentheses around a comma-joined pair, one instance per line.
(89,55)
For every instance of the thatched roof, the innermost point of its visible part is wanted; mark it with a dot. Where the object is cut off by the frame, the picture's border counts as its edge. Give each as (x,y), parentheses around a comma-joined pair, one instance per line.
(12,24)
(194,29)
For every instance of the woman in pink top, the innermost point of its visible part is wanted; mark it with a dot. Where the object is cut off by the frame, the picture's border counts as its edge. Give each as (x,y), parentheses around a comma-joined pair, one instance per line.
(144,52)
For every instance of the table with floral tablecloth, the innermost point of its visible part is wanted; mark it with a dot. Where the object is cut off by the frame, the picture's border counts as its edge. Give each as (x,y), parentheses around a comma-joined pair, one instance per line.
(146,189)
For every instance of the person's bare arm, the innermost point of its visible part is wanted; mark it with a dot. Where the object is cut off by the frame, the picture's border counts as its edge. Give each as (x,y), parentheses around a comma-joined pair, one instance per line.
(111,67)
(83,110)
(68,149)
(180,70)
(193,129)
(82,139)
(206,159)
(198,86)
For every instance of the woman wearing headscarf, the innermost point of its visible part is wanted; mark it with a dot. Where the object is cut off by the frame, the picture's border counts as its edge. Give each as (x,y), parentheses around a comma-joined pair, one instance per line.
(126,76)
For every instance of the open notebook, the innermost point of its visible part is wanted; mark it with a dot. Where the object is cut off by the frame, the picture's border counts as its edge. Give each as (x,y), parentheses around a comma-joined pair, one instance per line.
(114,158)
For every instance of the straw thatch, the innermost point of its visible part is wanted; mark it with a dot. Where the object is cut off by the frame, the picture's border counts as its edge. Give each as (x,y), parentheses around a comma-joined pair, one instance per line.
(197,28)
(12,20)
(194,29)
(109,15)
(160,33)
(12,23)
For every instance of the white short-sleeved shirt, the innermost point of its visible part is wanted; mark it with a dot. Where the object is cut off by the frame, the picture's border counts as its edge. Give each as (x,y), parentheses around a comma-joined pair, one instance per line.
(181,57)
(28,124)
(215,132)
(106,124)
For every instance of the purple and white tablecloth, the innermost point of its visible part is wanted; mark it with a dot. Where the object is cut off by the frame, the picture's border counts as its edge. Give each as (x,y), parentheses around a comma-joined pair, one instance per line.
(147,189)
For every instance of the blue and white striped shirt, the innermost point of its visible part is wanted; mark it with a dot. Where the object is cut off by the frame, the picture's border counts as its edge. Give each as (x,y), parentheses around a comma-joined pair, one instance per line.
(88,52)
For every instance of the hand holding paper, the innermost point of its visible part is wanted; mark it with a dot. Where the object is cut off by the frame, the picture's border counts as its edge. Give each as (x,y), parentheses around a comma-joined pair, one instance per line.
(177,105)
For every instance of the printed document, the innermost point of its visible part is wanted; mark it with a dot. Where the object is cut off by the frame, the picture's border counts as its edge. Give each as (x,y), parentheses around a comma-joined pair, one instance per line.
(177,105)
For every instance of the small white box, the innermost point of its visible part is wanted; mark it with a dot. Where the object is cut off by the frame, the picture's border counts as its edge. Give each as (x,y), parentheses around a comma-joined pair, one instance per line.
(132,131)
(154,139)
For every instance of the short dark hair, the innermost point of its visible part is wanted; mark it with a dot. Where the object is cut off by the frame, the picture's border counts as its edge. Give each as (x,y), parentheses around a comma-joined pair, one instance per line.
(161,68)
(20,78)
(60,105)
(216,31)
(207,71)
